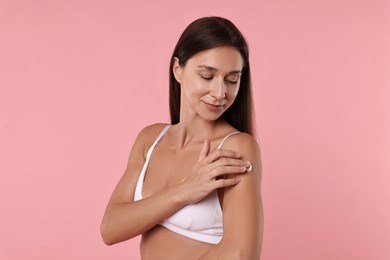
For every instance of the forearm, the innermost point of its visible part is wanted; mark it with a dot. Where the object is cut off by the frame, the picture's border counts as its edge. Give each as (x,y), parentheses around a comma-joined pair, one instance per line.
(125,220)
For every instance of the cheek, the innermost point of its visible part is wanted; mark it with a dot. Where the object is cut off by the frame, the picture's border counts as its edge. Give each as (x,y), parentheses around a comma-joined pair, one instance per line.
(192,89)
(232,92)
(196,87)
(231,95)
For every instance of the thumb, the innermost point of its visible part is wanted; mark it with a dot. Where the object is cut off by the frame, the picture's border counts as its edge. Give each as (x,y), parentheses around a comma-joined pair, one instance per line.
(205,150)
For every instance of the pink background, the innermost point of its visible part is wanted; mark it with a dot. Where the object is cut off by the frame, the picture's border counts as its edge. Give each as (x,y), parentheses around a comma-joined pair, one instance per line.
(79,79)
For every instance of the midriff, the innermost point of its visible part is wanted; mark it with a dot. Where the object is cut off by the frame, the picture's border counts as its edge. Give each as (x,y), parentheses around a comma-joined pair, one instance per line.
(160,243)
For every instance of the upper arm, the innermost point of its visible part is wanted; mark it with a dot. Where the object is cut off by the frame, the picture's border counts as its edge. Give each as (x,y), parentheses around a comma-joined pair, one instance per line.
(124,190)
(242,203)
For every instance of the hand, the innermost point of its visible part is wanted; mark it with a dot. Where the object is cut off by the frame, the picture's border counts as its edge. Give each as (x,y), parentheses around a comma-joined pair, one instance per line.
(208,172)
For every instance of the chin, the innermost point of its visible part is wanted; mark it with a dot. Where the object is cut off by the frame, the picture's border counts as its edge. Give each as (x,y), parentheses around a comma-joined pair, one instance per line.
(211,117)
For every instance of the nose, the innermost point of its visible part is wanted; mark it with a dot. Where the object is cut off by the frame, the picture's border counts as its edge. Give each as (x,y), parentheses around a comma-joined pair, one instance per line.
(219,89)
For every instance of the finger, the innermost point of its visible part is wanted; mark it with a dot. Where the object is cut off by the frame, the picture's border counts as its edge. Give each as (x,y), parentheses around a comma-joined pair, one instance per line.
(217,154)
(226,162)
(221,183)
(205,150)
(222,170)
(230,162)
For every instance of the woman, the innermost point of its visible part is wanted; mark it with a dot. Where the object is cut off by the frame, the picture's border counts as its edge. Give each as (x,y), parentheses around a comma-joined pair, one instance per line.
(192,188)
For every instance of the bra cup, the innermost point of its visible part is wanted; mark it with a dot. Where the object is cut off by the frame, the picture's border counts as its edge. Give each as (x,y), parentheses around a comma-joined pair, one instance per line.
(203,217)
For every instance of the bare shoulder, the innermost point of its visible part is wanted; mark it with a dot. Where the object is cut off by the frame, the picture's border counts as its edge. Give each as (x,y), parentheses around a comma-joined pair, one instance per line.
(150,131)
(148,135)
(244,139)
(249,149)
(124,190)
(142,143)
(243,143)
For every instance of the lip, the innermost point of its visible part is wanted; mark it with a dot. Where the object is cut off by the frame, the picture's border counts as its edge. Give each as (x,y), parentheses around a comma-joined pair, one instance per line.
(213,107)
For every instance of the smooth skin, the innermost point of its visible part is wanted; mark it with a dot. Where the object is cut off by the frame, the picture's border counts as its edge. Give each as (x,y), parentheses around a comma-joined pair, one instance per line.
(185,167)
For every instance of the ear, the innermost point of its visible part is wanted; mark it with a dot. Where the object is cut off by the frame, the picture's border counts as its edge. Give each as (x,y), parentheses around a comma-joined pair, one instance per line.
(177,69)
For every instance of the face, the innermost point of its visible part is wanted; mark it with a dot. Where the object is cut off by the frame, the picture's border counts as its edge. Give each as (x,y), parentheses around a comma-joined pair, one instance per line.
(209,82)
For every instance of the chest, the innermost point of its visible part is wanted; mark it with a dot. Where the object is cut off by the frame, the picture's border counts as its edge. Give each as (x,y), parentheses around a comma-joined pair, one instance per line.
(166,168)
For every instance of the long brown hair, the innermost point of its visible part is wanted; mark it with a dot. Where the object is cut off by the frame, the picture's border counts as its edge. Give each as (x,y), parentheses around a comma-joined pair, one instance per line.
(207,33)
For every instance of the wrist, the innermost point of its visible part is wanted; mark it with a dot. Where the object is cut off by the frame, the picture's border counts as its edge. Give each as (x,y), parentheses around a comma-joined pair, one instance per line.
(177,196)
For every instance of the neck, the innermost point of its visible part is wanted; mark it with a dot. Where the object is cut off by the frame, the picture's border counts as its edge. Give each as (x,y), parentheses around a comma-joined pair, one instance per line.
(195,131)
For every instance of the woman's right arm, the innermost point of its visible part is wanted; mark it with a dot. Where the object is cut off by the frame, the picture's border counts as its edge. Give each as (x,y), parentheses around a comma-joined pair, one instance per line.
(125,218)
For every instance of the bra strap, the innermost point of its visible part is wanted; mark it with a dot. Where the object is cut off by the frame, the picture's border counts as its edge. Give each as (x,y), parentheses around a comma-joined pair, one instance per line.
(140,182)
(162,133)
(150,151)
(224,139)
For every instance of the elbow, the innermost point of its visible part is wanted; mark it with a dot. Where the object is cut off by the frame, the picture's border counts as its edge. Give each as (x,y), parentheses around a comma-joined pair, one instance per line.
(111,234)
(106,235)
(107,241)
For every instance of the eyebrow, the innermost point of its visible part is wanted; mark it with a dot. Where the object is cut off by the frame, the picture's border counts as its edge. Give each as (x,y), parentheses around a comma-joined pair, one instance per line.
(215,69)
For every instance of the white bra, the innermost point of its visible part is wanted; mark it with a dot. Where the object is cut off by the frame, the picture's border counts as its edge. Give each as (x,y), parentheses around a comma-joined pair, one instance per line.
(201,221)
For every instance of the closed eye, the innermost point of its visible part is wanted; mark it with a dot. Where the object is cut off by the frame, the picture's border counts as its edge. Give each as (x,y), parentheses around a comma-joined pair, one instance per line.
(227,80)
(232,81)
(206,77)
